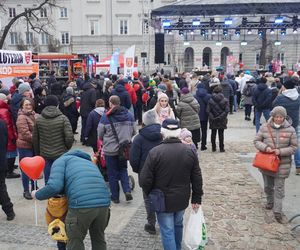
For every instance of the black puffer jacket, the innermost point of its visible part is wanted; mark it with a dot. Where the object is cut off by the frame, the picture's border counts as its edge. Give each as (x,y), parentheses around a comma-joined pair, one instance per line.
(262,97)
(87,99)
(172,167)
(148,138)
(70,110)
(217,109)
(121,92)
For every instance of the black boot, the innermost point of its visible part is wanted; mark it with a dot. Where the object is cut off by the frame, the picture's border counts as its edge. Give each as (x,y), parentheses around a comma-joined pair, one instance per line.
(10,216)
(221,140)
(214,147)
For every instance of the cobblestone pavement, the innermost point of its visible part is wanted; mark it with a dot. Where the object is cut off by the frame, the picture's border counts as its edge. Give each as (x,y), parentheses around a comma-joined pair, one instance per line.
(232,204)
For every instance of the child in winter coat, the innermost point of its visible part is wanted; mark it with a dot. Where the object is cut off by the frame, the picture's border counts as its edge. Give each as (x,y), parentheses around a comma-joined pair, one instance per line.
(186,138)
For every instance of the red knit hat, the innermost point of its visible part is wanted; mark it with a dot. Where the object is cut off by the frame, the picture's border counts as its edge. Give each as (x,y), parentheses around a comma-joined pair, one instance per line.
(135,74)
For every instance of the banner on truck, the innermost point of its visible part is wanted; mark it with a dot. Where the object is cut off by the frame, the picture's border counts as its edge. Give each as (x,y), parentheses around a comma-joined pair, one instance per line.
(7,73)
(10,57)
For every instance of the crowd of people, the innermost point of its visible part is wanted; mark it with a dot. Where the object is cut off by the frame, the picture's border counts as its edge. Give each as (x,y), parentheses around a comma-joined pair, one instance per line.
(173,114)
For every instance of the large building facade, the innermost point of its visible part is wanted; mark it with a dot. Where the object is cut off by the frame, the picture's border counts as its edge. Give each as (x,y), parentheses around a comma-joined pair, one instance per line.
(101,27)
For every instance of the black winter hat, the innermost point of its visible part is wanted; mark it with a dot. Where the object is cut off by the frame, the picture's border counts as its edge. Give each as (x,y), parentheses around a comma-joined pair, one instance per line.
(289,84)
(51,100)
(32,76)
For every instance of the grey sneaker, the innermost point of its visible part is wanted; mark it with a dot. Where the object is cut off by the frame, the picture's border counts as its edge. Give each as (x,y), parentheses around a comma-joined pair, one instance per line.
(27,195)
(269,206)
(281,218)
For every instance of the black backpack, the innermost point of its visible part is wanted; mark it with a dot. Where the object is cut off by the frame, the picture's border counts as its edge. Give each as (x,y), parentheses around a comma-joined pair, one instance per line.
(248,91)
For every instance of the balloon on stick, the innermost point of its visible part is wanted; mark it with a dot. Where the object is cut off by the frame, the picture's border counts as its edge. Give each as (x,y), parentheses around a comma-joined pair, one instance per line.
(33,167)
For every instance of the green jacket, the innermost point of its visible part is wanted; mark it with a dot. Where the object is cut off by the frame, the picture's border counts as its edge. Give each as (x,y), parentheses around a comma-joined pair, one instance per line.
(188,112)
(52,134)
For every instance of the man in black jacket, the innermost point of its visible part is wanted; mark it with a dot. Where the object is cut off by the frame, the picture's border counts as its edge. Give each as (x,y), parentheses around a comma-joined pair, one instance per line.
(173,168)
(122,93)
(87,103)
(5,202)
(149,137)
(262,101)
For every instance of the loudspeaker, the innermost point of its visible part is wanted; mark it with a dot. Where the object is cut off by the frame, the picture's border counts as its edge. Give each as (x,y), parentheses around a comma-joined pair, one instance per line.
(159,48)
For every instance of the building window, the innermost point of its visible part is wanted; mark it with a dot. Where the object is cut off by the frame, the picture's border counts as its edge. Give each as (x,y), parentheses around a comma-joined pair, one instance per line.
(241,57)
(123,27)
(280,57)
(28,12)
(168,59)
(43,12)
(65,39)
(12,12)
(29,38)
(13,38)
(45,38)
(94,27)
(63,12)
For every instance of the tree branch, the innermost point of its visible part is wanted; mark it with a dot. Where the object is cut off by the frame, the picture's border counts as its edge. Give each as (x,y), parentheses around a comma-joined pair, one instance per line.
(14,19)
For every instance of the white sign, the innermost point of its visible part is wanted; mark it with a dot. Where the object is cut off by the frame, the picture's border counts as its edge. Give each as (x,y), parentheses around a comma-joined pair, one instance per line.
(114,63)
(9,57)
(129,61)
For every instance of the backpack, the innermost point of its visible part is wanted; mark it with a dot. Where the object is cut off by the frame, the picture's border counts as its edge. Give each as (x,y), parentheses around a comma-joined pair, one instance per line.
(248,91)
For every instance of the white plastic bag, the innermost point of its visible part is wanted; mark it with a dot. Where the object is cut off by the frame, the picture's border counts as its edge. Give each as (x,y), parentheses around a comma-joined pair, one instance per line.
(195,232)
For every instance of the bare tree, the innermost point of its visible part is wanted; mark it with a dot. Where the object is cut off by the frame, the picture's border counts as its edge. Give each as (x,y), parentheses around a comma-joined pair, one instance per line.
(29,15)
(54,44)
(21,45)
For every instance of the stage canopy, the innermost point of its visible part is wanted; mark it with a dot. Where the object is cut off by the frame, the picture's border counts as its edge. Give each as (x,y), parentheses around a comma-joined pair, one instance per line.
(229,7)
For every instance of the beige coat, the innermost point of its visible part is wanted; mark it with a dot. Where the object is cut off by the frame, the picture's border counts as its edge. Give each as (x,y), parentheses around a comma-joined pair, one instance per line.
(25,123)
(286,141)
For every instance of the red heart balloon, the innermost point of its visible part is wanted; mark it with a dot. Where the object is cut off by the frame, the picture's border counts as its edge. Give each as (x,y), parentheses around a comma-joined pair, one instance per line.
(33,166)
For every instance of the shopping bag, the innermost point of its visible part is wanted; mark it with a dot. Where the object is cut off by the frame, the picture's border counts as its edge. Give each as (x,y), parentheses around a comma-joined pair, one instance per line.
(195,231)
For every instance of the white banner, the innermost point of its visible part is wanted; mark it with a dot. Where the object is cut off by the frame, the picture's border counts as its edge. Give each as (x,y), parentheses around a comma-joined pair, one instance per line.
(114,63)
(9,57)
(129,61)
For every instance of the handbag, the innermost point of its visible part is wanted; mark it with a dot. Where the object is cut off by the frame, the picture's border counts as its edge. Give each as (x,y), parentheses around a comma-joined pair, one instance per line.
(267,161)
(157,200)
(124,147)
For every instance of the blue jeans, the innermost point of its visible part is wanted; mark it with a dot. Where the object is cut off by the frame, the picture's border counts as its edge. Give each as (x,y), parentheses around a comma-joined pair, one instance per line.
(171,228)
(258,113)
(235,104)
(297,153)
(25,179)
(47,170)
(61,245)
(117,170)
